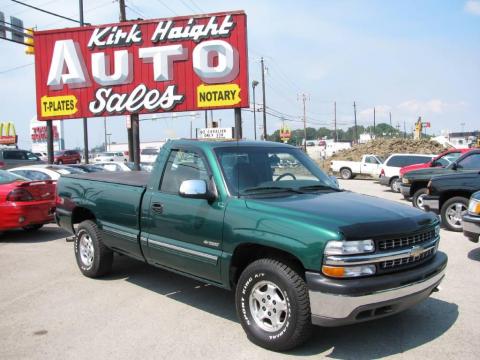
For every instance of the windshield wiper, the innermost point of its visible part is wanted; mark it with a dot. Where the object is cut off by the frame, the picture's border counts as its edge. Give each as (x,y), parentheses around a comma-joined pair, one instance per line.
(268,188)
(318,187)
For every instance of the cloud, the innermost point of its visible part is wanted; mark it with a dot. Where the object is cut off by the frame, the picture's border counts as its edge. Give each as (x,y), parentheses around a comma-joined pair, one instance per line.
(433,106)
(472,7)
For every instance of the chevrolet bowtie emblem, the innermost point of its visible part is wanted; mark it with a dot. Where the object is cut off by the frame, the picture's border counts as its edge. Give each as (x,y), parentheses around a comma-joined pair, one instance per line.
(416,251)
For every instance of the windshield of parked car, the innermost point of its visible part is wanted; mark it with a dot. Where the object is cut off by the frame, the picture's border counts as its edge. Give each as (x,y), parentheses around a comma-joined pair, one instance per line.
(259,170)
(149,152)
(8,177)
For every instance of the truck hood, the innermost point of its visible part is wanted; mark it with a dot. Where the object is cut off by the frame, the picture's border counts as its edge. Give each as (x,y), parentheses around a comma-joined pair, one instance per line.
(428,173)
(409,168)
(354,215)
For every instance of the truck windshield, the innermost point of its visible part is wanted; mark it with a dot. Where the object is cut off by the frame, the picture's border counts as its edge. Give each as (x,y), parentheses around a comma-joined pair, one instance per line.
(253,170)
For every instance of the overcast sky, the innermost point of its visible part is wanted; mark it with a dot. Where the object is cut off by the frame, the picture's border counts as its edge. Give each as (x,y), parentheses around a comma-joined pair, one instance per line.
(411,58)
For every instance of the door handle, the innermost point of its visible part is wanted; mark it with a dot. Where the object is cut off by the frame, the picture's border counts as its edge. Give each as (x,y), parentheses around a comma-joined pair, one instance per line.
(157,207)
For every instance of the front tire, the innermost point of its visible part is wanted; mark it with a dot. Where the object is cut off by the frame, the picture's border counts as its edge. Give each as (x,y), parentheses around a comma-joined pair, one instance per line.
(94,259)
(452,211)
(273,305)
(417,199)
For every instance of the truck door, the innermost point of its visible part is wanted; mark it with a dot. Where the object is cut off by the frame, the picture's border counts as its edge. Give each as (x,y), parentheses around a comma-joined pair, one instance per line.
(370,165)
(183,233)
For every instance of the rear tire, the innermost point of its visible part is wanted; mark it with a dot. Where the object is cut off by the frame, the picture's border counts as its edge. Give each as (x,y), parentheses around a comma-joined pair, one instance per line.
(395,185)
(417,199)
(452,211)
(346,173)
(273,305)
(34,227)
(94,259)
(60,162)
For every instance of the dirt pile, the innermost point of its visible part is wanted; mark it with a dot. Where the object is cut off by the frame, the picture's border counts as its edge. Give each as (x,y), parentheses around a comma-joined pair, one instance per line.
(386,147)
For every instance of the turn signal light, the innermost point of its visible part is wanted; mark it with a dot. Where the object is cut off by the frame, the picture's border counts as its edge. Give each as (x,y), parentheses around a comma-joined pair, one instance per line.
(349,271)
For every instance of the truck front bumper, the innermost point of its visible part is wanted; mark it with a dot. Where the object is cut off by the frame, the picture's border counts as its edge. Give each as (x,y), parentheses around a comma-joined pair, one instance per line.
(342,302)
(405,190)
(431,203)
(471,227)
(384,180)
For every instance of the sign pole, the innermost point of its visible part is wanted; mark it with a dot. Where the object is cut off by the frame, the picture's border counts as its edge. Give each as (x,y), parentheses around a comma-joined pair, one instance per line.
(136,140)
(238,123)
(50,141)
(85,124)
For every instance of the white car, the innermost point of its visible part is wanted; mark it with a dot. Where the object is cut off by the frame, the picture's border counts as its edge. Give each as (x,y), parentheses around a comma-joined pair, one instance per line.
(390,170)
(149,155)
(369,165)
(113,166)
(42,155)
(44,171)
(110,156)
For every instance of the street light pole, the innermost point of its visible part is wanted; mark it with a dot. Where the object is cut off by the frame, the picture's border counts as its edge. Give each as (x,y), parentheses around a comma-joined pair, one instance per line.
(264,102)
(254,84)
(85,124)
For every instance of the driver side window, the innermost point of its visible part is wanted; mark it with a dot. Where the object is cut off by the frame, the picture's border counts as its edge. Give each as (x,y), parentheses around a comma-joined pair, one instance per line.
(182,165)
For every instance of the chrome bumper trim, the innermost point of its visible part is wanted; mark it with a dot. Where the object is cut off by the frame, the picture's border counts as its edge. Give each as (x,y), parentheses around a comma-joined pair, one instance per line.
(333,306)
(431,204)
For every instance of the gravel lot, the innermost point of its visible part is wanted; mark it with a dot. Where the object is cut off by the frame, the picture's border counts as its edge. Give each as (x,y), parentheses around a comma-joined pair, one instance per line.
(50,311)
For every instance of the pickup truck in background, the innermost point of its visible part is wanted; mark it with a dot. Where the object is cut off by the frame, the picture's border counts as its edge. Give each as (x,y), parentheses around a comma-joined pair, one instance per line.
(414,183)
(449,194)
(471,221)
(369,165)
(296,249)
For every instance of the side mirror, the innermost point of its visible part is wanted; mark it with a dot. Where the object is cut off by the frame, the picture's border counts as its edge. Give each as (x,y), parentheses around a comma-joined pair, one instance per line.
(454,166)
(433,163)
(196,189)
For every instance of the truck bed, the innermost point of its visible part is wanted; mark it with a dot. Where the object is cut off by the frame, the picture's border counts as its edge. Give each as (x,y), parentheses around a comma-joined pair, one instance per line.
(132,178)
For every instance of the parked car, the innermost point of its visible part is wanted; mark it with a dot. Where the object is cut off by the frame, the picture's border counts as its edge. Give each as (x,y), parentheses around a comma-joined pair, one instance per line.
(42,155)
(448,195)
(390,170)
(114,166)
(414,183)
(296,248)
(148,155)
(471,221)
(10,158)
(442,160)
(25,204)
(369,165)
(67,157)
(110,156)
(89,168)
(45,171)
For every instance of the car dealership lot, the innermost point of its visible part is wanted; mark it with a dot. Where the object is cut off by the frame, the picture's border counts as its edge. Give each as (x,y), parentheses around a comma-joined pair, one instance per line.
(49,310)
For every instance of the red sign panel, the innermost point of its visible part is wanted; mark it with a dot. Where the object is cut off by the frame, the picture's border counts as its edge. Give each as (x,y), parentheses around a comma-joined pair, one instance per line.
(177,64)
(39,134)
(8,140)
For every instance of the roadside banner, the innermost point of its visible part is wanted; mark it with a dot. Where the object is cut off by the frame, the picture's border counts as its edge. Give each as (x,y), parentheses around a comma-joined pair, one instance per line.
(186,63)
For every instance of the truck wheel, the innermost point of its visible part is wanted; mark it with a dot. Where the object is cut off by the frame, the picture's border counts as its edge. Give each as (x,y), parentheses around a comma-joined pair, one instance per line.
(417,199)
(346,173)
(93,258)
(273,305)
(452,211)
(395,185)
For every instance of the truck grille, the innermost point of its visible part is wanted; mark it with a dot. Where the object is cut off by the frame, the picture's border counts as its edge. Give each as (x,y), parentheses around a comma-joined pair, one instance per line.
(392,264)
(405,241)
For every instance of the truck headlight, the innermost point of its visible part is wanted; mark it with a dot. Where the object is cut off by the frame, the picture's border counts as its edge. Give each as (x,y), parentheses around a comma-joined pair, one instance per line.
(342,247)
(405,181)
(474,207)
(348,271)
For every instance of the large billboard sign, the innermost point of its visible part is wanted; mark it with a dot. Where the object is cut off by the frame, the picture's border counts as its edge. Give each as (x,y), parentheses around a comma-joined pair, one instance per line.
(177,64)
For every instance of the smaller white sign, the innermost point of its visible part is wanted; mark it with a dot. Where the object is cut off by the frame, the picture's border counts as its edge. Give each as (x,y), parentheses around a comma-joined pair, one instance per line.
(215,133)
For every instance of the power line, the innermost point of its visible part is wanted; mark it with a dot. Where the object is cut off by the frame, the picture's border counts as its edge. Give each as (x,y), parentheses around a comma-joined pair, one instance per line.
(47,12)
(136,10)
(15,68)
(165,5)
(198,7)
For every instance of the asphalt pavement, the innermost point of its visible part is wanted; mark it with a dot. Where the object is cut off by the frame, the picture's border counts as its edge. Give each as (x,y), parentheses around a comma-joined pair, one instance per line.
(48,310)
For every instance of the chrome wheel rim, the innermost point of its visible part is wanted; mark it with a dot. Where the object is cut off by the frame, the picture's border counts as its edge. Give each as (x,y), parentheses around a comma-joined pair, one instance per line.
(420,202)
(395,186)
(454,214)
(268,306)
(345,174)
(86,249)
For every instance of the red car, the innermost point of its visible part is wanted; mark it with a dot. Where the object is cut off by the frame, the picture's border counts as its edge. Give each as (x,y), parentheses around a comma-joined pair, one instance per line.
(442,160)
(25,204)
(67,157)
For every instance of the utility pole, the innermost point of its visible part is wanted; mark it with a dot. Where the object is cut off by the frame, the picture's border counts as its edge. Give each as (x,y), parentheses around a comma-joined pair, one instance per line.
(355,117)
(206,119)
(335,120)
(85,124)
(304,99)
(105,131)
(390,113)
(264,102)
(374,121)
(404,129)
(254,84)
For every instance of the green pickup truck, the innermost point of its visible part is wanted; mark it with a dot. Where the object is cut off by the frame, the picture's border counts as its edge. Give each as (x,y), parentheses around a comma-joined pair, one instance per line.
(260,218)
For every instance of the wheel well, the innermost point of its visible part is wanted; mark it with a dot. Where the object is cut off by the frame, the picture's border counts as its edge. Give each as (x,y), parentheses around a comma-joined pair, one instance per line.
(80,214)
(392,179)
(345,167)
(417,186)
(448,195)
(245,254)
